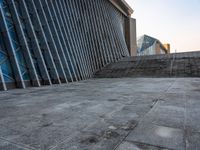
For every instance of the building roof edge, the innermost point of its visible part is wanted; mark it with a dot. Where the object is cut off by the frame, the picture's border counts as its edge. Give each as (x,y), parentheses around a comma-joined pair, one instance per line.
(123,6)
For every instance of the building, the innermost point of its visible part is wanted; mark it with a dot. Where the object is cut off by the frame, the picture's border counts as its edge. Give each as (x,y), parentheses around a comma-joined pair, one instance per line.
(45,42)
(168,47)
(147,45)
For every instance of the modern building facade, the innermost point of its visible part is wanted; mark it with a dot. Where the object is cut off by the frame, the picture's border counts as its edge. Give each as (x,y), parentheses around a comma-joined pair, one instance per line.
(45,42)
(147,45)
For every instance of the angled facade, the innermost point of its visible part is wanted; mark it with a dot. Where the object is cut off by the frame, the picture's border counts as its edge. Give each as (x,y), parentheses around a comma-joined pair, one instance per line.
(147,45)
(45,42)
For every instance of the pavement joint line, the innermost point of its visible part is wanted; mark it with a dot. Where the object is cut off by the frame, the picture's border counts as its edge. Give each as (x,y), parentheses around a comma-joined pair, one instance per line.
(143,117)
(117,145)
(26,147)
(157,146)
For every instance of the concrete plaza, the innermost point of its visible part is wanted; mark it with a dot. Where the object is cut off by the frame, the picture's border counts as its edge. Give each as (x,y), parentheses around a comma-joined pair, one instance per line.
(104,114)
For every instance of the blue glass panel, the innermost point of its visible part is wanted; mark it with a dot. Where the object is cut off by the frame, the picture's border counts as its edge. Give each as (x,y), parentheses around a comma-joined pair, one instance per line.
(15,41)
(145,42)
(5,63)
(7,71)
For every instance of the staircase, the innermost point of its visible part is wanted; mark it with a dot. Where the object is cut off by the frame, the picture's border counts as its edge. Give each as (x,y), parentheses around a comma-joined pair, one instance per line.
(169,65)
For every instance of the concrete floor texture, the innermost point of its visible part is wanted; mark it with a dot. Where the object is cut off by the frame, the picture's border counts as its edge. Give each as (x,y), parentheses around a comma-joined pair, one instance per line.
(103,114)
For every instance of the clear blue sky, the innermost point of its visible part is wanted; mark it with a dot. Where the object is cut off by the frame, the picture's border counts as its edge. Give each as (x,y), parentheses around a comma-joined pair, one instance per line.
(171,21)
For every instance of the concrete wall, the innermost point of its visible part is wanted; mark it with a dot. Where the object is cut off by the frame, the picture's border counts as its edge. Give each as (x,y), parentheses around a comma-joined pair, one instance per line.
(131,35)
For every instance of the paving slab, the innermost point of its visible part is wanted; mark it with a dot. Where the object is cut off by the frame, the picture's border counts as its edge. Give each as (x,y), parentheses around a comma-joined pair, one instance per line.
(170,116)
(161,136)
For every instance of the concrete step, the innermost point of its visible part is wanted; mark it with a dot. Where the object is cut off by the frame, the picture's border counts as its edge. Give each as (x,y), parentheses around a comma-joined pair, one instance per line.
(169,65)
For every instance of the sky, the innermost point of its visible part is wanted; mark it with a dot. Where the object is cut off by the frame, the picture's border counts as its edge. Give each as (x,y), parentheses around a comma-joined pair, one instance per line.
(171,21)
